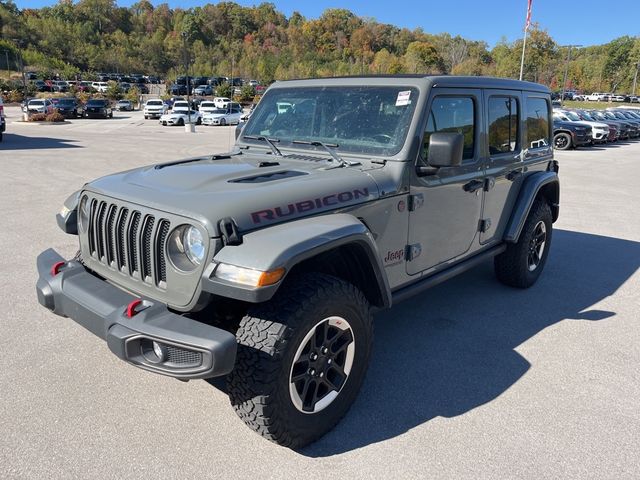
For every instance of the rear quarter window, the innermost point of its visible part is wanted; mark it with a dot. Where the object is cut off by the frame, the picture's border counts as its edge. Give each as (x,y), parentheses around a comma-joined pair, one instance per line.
(537,122)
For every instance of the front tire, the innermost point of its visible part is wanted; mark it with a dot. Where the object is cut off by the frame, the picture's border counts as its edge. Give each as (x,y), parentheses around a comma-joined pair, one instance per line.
(522,263)
(562,141)
(301,359)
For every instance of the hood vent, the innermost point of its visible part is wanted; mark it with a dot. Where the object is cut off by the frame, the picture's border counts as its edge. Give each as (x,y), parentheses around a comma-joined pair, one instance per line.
(309,158)
(269,177)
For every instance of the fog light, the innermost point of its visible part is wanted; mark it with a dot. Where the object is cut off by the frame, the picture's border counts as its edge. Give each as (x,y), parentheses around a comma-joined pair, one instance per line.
(160,351)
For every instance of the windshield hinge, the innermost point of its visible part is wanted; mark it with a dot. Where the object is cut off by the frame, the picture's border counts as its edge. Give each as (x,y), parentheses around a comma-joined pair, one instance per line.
(415,201)
(229,231)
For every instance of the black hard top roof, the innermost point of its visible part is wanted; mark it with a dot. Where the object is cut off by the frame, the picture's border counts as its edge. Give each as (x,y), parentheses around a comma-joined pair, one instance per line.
(423,80)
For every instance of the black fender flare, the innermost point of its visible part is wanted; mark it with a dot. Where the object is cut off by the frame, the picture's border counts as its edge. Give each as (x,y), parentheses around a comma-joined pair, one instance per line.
(536,184)
(288,245)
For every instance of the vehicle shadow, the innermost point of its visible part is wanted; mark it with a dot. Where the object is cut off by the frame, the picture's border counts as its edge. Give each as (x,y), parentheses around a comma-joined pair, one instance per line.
(452,349)
(11,141)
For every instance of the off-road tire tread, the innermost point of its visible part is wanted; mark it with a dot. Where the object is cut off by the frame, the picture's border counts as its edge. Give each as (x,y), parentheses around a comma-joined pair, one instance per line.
(510,266)
(262,341)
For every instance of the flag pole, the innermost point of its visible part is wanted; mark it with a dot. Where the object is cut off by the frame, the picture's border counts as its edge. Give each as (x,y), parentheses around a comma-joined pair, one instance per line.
(524,46)
(527,23)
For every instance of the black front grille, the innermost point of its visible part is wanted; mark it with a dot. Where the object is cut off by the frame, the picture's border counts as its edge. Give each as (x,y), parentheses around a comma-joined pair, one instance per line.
(128,241)
(182,357)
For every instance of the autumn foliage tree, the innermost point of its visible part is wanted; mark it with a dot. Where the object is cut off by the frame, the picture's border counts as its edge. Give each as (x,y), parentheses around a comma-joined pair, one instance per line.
(260,42)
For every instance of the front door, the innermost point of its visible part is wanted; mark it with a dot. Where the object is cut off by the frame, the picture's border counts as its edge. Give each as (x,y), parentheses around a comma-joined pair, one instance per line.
(446,206)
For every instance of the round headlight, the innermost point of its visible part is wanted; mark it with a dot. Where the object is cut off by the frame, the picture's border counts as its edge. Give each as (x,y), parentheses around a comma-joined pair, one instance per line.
(83,213)
(194,245)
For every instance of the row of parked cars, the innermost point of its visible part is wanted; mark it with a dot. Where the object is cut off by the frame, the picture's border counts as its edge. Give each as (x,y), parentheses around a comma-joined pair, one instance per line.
(71,107)
(63,86)
(206,85)
(574,128)
(178,111)
(607,97)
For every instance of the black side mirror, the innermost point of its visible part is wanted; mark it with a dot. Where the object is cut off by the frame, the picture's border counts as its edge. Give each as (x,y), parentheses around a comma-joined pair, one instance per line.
(445,150)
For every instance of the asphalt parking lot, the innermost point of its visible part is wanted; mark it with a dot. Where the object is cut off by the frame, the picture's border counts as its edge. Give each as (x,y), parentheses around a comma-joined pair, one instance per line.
(470,380)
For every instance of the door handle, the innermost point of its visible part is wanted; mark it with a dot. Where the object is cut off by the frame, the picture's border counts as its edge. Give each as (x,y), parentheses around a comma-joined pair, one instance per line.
(473,185)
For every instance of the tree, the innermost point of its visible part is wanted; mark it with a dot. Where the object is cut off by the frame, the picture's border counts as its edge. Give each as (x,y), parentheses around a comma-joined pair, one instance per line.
(422,57)
(224,90)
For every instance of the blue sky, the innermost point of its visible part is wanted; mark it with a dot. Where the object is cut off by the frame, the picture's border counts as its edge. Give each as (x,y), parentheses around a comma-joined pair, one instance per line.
(568,22)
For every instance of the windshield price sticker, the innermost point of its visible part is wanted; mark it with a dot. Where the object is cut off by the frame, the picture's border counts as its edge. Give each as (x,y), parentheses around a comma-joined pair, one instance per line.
(403,98)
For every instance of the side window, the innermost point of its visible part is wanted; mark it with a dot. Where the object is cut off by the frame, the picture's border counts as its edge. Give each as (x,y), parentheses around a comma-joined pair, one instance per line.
(538,133)
(452,114)
(503,125)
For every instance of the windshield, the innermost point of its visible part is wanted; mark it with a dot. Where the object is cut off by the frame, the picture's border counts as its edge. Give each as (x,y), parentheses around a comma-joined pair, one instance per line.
(586,116)
(66,101)
(37,103)
(219,110)
(98,103)
(154,102)
(207,104)
(573,116)
(373,120)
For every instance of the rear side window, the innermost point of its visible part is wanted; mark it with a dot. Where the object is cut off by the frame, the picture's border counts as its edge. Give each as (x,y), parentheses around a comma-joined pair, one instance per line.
(538,132)
(503,125)
(452,114)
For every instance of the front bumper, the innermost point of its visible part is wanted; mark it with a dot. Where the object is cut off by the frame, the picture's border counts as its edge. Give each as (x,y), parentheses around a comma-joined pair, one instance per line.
(581,139)
(600,135)
(190,349)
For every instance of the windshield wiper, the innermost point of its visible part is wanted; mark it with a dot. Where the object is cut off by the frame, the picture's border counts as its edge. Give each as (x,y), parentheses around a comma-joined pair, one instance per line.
(269,141)
(329,147)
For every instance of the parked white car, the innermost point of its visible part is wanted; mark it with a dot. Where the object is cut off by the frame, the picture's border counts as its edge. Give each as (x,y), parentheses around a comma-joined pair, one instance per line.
(223,116)
(180,106)
(600,131)
(100,86)
(221,102)
(181,117)
(617,98)
(40,105)
(207,106)
(154,108)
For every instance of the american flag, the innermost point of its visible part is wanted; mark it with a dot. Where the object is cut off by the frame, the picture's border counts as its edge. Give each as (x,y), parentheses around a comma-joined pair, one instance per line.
(528,22)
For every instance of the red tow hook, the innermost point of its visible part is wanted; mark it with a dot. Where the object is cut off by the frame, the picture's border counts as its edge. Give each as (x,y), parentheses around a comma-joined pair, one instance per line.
(55,268)
(131,308)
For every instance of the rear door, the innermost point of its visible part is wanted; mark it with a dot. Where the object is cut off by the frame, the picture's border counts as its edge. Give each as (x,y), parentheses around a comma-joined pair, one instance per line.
(445,207)
(503,160)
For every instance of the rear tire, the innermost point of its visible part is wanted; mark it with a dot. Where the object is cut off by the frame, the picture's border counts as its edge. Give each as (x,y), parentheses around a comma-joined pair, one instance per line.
(523,262)
(301,359)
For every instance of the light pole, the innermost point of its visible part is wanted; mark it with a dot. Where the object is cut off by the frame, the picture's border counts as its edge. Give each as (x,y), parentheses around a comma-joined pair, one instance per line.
(566,71)
(635,79)
(187,128)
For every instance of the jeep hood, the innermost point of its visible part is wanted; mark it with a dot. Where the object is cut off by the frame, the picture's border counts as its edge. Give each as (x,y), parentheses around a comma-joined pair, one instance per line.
(209,189)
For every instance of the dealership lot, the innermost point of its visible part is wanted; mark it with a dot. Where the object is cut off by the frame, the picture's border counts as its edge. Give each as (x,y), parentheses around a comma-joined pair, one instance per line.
(545,386)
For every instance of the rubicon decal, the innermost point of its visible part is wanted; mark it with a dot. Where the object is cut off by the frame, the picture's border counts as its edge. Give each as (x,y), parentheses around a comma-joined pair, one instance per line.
(304,206)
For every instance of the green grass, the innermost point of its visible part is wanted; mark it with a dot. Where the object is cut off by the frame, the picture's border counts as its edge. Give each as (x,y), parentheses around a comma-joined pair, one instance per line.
(591,105)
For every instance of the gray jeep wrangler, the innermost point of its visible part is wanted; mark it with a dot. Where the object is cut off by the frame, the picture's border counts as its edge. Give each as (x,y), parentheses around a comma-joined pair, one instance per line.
(341,196)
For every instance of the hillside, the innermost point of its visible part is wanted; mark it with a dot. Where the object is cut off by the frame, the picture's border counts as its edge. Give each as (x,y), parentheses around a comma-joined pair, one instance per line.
(261,42)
